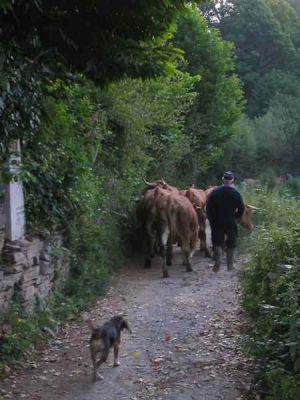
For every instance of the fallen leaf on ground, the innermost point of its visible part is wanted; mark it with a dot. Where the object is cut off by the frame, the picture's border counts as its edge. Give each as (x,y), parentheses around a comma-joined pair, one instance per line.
(136,354)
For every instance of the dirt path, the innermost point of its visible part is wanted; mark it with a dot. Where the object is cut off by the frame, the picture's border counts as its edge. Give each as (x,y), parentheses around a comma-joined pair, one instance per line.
(185,342)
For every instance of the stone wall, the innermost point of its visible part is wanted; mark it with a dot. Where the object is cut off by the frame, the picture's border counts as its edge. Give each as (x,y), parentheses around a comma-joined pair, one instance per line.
(2,223)
(30,270)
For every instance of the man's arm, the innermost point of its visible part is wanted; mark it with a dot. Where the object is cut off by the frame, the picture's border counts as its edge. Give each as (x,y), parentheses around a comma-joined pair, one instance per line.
(210,207)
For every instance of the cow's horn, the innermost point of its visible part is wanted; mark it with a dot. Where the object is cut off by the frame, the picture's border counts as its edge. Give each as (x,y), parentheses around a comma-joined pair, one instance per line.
(249,206)
(254,208)
(148,183)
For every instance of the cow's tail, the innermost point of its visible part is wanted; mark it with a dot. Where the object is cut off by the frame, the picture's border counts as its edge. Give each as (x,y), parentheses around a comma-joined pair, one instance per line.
(164,230)
(171,225)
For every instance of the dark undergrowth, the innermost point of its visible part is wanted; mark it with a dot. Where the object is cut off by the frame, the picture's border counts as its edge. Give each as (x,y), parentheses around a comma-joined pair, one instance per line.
(272,294)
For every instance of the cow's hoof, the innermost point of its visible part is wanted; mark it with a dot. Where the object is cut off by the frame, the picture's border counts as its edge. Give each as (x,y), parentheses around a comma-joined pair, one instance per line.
(165,275)
(169,262)
(147,263)
(189,269)
(216,268)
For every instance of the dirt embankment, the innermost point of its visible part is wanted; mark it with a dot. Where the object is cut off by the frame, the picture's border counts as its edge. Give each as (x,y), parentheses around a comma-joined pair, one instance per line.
(186,342)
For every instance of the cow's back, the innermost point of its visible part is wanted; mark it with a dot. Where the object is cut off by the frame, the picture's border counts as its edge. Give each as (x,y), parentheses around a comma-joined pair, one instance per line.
(196,196)
(182,220)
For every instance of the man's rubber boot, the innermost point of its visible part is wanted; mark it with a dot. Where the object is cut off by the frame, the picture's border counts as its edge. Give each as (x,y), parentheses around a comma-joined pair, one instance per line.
(230,257)
(217,258)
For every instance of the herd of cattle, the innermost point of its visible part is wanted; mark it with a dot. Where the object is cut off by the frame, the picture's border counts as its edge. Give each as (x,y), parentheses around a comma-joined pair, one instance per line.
(169,215)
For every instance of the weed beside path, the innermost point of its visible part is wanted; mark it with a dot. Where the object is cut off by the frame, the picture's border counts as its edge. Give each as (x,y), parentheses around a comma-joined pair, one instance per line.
(186,342)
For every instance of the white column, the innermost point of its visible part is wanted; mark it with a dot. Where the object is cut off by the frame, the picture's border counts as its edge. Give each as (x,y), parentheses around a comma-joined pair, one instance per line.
(14,197)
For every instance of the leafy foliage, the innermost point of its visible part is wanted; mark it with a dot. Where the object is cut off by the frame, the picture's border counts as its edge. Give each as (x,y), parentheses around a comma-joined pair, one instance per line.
(296,5)
(151,114)
(82,169)
(115,37)
(268,146)
(21,92)
(211,120)
(40,41)
(266,38)
(29,331)
(271,296)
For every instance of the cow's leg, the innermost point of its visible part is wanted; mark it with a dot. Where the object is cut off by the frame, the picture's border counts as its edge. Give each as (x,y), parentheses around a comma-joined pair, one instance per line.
(149,246)
(164,240)
(202,237)
(188,262)
(187,258)
(169,251)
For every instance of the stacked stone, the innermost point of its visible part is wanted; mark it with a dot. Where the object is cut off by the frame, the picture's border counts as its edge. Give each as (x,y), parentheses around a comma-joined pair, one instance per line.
(2,223)
(28,273)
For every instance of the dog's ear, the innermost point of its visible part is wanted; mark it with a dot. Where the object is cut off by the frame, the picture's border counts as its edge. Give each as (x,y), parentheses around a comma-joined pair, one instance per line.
(124,325)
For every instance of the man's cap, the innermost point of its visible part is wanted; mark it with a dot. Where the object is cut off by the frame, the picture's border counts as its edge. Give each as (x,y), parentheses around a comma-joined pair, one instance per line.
(228,176)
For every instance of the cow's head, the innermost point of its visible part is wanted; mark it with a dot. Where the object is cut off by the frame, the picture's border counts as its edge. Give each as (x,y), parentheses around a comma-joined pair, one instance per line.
(246,218)
(159,183)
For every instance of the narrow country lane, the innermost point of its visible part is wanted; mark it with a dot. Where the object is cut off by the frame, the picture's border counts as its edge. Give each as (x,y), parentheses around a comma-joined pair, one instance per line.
(185,342)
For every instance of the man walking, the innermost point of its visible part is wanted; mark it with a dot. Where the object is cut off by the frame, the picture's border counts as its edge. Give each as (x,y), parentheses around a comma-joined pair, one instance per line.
(224,207)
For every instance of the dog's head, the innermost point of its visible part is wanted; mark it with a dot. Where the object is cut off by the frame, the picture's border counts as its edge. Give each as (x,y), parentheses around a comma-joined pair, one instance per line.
(122,322)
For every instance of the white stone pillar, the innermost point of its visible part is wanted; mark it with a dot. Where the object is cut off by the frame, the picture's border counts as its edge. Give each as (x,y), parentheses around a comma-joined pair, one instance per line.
(14,197)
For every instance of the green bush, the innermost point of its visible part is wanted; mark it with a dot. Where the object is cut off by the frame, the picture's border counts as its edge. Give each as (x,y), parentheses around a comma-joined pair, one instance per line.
(27,331)
(272,295)
(293,186)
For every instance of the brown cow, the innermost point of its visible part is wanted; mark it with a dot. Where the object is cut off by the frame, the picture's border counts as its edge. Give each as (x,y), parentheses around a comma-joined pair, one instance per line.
(246,218)
(148,215)
(177,223)
(198,199)
(209,190)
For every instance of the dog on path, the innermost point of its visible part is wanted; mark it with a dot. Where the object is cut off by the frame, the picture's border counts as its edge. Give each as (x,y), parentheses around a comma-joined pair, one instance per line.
(104,338)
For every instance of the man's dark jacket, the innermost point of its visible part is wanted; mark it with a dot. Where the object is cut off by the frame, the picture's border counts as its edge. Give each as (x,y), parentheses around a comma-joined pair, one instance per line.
(224,206)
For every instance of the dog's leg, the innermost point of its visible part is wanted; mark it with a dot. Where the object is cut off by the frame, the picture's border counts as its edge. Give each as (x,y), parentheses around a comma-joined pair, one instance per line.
(95,365)
(116,354)
(98,364)
(98,376)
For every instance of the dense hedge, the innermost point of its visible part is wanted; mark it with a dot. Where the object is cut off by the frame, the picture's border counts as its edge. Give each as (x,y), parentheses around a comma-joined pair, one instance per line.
(272,295)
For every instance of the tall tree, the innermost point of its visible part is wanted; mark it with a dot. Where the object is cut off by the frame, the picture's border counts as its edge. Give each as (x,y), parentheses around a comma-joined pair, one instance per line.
(219,102)
(296,5)
(266,35)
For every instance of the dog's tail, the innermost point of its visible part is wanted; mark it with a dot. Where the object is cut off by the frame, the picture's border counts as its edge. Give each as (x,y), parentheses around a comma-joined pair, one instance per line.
(88,320)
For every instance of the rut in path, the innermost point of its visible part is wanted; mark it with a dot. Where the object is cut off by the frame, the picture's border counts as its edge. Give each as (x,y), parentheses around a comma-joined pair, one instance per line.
(185,342)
